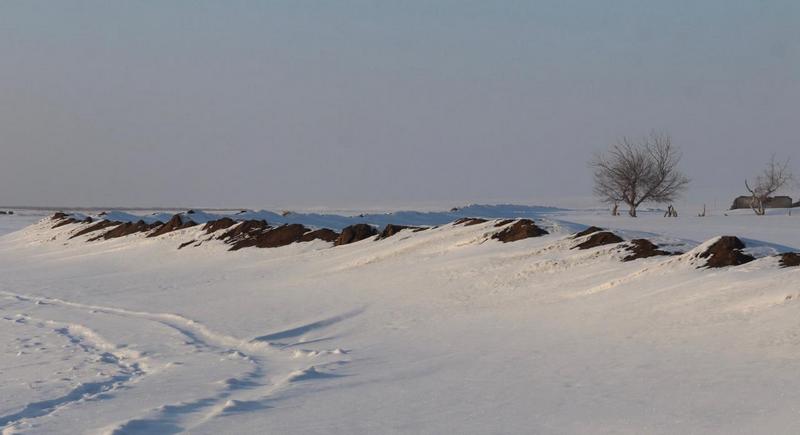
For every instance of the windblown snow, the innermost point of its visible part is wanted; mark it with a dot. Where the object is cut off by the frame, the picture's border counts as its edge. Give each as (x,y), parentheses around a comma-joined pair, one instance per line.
(442,327)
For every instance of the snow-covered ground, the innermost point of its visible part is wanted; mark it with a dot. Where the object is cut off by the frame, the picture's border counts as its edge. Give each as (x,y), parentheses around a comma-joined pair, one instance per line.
(439,331)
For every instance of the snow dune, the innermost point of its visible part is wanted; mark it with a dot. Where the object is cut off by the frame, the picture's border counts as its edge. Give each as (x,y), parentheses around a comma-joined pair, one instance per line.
(443,330)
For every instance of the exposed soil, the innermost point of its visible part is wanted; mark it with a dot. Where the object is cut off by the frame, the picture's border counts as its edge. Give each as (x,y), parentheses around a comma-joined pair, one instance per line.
(96,227)
(469,221)
(273,238)
(244,230)
(503,223)
(727,251)
(354,233)
(127,229)
(393,229)
(66,221)
(599,239)
(587,231)
(174,224)
(790,259)
(325,234)
(643,248)
(519,230)
(219,224)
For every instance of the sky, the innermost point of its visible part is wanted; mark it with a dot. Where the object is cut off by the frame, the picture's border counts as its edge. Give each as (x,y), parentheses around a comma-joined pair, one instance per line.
(362,103)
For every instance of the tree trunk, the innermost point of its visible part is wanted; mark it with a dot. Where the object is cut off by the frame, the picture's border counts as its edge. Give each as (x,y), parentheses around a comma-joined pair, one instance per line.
(632,211)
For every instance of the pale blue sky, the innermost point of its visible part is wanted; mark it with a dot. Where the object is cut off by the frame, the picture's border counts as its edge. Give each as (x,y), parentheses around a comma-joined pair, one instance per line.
(300,103)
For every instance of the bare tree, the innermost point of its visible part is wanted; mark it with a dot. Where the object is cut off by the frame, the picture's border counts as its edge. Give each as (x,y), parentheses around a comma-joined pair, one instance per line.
(634,172)
(776,175)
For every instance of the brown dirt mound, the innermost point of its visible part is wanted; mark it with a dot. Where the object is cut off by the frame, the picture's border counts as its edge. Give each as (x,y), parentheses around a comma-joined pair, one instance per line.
(393,229)
(599,239)
(127,229)
(174,224)
(469,221)
(643,248)
(727,251)
(96,227)
(273,238)
(354,233)
(320,234)
(503,223)
(244,230)
(66,221)
(790,259)
(587,231)
(519,230)
(219,224)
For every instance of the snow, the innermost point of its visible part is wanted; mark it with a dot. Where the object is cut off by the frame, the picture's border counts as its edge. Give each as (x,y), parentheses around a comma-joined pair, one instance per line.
(443,330)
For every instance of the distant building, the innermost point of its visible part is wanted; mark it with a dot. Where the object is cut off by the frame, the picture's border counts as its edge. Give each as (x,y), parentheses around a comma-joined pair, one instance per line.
(772,202)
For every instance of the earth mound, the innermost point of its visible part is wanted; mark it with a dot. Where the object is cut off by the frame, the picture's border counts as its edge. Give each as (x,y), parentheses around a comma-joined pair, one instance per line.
(519,230)
(599,239)
(393,229)
(469,221)
(355,233)
(273,238)
(325,234)
(219,224)
(96,227)
(643,248)
(174,224)
(790,259)
(587,231)
(244,230)
(726,251)
(127,229)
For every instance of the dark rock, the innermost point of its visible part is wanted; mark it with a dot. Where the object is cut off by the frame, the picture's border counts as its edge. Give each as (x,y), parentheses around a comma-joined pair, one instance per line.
(244,230)
(643,248)
(11,212)
(599,239)
(469,221)
(190,212)
(96,227)
(321,234)
(59,215)
(392,229)
(127,229)
(354,233)
(727,251)
(174,224)
(273,238)
(587,231)
(521,229)
(3,212)
(219,224)
(790,259)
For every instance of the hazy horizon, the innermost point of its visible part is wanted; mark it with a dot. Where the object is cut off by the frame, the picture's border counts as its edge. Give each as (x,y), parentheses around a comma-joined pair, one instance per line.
(359,104)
